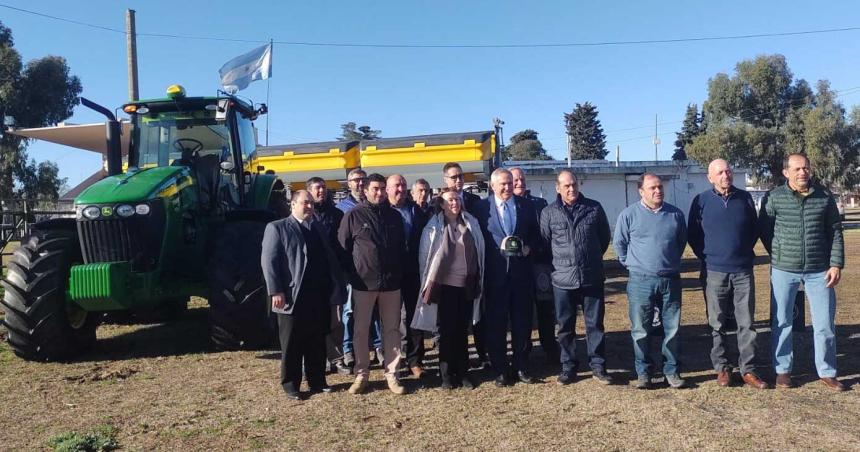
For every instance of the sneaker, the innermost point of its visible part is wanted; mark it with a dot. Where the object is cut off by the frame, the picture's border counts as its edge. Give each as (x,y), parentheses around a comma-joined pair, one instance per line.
(601,376)
(395,386)
(642,382)
(676,381)
(348,359)
(342,369)
(359,386)
(467,382)
(566,378)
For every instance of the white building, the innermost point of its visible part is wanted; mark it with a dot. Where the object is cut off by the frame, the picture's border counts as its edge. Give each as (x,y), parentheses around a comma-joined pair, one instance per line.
(614,184)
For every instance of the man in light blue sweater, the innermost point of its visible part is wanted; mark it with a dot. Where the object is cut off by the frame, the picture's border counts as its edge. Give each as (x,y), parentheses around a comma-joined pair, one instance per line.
(649,239)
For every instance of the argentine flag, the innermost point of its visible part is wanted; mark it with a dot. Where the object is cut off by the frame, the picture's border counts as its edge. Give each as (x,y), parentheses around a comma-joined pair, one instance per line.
(239,72)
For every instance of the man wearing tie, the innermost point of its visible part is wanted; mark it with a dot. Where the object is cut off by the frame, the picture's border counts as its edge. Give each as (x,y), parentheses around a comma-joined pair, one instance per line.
(508,277)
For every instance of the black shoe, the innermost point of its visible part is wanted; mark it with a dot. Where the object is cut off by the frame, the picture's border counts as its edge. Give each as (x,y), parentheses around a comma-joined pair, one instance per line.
(447,383)
(566,378)
(293,395)
(601,376)
(524,377)
(467,382)
(502,381)
(321,389)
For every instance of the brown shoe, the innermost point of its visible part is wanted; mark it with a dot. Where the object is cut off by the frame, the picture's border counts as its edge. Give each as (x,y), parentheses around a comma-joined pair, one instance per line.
(833,383)
(395,386)
(724,377)
(417,371)
(783,381)
(752,380)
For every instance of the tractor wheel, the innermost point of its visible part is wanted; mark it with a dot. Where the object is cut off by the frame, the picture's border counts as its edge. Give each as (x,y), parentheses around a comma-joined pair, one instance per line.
(42,325)
(238,302)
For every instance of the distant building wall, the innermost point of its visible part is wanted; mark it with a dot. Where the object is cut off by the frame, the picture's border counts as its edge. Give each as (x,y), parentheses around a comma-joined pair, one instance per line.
(615,187)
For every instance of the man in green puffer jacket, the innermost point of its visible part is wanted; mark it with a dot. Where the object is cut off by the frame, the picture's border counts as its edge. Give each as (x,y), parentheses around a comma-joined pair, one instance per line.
(802,231)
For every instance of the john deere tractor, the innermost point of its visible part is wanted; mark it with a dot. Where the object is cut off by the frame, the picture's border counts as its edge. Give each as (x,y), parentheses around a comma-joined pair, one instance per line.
(181,215)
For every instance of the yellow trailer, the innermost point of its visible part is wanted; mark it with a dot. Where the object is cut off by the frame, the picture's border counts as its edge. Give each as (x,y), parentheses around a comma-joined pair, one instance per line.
(296,163)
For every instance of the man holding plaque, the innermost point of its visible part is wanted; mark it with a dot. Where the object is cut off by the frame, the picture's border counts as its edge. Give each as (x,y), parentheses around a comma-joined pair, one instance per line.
(510,231)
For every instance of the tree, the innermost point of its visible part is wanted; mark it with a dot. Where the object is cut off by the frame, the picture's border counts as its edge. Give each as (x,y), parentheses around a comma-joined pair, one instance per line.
(348,132)
(751,117)
(525,145)
(586,134)
(37,94)
(691,128)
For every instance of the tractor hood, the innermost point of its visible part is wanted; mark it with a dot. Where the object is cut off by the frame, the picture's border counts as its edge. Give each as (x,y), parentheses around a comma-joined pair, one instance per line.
(134,185)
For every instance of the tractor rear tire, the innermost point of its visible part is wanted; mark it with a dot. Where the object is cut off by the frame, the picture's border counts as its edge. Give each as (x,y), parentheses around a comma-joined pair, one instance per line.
(42,325)
(240,318)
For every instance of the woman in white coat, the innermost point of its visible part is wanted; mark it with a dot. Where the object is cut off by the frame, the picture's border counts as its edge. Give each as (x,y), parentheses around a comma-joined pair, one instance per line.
(451,259)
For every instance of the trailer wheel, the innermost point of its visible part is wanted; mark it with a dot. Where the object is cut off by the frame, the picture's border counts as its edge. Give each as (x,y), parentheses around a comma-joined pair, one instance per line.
(42,325)
(238,302)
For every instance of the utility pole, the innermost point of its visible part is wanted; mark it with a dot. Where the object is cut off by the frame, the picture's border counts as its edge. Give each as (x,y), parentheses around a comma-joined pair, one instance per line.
(131,45)
(656,139)
(569,149)
(500,143)
(617,154)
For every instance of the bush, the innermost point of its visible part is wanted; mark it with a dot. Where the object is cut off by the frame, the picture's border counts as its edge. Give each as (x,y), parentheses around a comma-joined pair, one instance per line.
(100,439)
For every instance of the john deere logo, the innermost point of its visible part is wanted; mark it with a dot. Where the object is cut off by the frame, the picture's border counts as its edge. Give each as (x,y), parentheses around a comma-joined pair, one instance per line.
(107,211)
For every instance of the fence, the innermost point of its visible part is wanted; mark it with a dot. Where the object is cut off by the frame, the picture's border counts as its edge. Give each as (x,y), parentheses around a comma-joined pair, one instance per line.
(18,215)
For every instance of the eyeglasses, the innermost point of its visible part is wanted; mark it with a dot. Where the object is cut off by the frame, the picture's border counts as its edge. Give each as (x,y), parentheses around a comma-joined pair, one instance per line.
(455,176)
(358,179)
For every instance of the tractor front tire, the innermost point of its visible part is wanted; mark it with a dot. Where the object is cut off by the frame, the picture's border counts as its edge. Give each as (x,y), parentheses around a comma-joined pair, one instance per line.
(42,325)
(240,318)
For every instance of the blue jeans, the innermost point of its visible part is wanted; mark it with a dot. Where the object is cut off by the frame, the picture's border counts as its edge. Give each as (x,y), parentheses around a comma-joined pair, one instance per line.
(822,307)
(349,325)
(644,293)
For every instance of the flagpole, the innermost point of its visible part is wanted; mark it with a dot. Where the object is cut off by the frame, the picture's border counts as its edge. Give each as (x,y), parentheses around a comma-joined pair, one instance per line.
(268,88)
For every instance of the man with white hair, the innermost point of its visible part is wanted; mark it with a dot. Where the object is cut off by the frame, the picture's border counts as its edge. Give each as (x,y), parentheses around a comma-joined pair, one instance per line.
(510,231)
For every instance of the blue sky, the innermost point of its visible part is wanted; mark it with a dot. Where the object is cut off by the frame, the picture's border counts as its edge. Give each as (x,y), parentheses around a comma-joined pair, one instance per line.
(418,91)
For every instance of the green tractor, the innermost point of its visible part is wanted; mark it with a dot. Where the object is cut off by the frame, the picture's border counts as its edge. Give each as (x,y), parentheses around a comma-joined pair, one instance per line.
(185,217)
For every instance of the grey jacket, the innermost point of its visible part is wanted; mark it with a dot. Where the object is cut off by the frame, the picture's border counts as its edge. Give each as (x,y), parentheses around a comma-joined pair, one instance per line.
(431,239)
(284,259)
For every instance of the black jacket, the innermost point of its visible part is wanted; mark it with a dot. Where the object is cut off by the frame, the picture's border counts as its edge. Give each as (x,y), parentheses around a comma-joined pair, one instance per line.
(373,235)
(578,238)
(541,253)
(470,202)
(328,216)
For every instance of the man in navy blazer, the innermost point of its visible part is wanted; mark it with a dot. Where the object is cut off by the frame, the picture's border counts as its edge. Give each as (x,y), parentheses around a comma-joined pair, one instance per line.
(307,286)
(509,281)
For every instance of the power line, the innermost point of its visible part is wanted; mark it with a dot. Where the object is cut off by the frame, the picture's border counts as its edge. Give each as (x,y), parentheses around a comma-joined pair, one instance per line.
(452,46)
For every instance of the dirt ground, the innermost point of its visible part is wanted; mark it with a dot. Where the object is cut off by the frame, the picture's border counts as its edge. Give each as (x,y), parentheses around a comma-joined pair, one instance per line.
(161,387)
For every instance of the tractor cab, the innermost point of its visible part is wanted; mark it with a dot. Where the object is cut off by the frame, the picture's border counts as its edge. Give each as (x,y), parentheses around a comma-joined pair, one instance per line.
(213,137)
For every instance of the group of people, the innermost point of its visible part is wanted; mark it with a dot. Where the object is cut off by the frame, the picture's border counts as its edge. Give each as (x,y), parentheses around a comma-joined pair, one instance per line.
(339,275)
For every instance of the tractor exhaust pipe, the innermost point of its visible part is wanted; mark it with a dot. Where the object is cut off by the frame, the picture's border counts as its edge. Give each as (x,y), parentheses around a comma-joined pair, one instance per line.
(112,137)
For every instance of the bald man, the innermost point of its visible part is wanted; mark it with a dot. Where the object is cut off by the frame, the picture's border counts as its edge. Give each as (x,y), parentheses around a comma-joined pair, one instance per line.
(722,231)
(306,285)
(414,220)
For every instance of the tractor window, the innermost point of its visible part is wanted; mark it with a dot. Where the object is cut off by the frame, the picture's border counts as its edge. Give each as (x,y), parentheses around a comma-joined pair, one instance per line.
(174,138)
(247,138)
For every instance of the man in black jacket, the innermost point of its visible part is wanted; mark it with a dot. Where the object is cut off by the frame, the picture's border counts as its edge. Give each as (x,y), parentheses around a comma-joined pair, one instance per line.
(372,234)
(577,231)
(328,216)
(414,220)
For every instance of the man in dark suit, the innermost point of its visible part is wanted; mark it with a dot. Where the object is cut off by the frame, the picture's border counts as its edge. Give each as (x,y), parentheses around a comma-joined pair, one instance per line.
(509,281)
(306,284)
(453,177)
(542,259)
(414,220)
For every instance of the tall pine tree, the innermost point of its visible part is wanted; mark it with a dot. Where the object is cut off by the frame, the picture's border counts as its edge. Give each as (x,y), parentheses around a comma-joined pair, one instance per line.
(586,134)
(691,128)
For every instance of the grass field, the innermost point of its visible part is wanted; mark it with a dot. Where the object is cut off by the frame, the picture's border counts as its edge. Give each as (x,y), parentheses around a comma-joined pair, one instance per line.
(161,387)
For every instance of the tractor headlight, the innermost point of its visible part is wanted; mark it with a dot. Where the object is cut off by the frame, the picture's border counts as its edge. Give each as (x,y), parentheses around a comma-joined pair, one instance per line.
(141,209)
(92,212)
(124,210)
